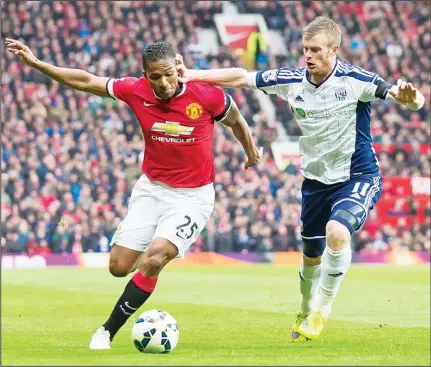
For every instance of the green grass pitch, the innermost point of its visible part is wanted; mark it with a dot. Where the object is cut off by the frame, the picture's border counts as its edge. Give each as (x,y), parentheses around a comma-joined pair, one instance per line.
(227,316)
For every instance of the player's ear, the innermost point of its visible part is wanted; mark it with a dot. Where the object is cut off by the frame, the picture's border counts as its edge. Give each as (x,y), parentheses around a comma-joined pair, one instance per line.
(334,49)
(144,73)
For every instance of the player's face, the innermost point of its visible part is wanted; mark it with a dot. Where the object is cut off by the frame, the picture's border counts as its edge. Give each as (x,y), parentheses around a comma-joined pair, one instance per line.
(318,54)
(163,77)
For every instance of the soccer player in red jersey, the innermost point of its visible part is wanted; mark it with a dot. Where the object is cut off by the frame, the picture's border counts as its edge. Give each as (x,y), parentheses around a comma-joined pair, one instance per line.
(174,198)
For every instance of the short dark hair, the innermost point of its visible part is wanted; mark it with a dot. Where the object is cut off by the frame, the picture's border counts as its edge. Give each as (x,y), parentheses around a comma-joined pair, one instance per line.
(158,51)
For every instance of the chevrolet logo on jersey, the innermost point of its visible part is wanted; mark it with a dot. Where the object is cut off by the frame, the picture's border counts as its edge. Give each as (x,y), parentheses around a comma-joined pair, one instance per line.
(172,128)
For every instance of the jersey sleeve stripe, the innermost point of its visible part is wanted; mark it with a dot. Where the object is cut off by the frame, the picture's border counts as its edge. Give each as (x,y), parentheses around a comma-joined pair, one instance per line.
(290,76)
(366,73)
(362,71)
(349,69)
(290,72)
(110,87)
(355,72)
(355,75)
(343,68)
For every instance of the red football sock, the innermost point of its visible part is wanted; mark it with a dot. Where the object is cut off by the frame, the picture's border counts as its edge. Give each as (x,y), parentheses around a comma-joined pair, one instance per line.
(144,283)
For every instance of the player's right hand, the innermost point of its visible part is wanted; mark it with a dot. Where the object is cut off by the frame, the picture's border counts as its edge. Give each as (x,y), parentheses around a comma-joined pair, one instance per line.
(254,157)
(21,50)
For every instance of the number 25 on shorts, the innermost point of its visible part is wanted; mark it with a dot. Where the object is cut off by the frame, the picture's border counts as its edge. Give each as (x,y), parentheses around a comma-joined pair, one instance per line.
(187,229)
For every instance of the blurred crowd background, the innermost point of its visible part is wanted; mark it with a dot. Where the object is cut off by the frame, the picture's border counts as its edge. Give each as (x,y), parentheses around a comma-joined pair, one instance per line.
(70,160)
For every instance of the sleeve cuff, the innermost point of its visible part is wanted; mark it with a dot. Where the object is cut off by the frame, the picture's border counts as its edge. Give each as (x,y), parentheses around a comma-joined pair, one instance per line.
(227,109)
(110,87)
(251,79)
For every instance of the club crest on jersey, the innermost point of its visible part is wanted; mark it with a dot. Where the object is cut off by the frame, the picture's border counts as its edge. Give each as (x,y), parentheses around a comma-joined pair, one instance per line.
(194,111)
(340,93)
(270,75)
(172,128)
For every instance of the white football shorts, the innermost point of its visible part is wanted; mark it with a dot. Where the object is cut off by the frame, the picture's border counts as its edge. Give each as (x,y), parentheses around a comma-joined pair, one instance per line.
(157,210)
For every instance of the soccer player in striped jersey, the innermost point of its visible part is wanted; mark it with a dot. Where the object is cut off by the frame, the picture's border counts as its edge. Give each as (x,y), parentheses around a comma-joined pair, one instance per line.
(330,99)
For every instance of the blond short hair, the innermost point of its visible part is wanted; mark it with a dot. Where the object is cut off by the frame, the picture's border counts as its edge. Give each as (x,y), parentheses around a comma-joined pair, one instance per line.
(326,26)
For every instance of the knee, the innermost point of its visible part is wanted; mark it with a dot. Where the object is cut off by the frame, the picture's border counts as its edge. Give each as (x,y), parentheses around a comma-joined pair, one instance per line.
(313,250)
(311,261)
(117,268)
(337,235)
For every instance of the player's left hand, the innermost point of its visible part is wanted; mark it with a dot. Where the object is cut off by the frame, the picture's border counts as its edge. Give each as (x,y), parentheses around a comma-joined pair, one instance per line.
(403,92)
(253,158)
(181,69)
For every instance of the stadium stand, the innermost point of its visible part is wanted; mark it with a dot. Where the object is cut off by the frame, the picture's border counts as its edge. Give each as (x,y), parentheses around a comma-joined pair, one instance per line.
(71,158)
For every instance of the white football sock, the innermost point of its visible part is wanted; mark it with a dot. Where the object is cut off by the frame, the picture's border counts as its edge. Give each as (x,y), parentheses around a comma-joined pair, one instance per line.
(334,267)
(309,281)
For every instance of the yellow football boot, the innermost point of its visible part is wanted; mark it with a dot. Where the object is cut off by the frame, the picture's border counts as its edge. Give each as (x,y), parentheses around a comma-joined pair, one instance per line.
(313,325)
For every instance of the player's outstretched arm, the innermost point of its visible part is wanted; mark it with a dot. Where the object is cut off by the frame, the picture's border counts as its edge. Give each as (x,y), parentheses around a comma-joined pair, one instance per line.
(241,131)
(405,93)
(74,78)
(227,78)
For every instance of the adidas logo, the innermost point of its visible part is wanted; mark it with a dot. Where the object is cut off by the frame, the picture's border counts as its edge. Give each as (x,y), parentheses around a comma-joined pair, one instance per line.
(299,99)
(336,275)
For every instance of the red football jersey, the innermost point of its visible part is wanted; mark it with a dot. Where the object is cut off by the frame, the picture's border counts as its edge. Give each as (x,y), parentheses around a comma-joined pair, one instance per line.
(179,132)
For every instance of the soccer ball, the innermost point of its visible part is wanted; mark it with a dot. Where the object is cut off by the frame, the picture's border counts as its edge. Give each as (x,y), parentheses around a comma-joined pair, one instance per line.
(155,331)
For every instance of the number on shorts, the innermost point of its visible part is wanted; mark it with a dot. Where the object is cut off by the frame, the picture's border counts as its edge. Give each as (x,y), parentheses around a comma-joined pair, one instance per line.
(357,192)
(184,232)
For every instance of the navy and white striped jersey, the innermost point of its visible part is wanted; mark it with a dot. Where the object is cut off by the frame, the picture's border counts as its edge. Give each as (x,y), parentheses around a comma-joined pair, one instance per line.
(334,117)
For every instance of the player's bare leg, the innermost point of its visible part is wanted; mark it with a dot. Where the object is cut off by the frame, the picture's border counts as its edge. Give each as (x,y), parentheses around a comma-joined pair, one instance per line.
(309,274)
(138,289)
(123,261)
(336,260)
